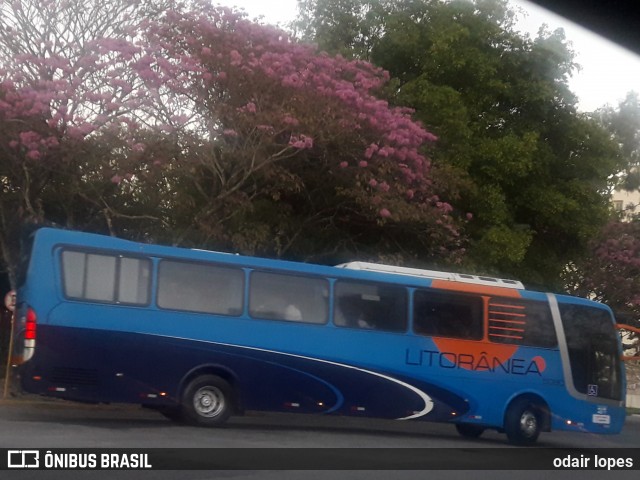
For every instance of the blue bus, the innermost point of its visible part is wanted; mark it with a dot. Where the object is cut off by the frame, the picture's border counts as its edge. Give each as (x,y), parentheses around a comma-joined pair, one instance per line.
(201,336)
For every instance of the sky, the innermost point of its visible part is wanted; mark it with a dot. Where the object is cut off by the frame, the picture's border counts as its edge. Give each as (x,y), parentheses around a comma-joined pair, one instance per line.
(607,71)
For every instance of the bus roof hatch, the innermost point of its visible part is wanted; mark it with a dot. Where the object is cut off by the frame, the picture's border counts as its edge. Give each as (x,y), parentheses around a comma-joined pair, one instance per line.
(433,274)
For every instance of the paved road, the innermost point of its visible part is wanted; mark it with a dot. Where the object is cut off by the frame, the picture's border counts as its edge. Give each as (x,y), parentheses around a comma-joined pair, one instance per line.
(55,423)
(32,423)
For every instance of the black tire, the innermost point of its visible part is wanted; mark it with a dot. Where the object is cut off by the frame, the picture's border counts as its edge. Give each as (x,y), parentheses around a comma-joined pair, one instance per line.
(207,401)
(523,422)
(468,430)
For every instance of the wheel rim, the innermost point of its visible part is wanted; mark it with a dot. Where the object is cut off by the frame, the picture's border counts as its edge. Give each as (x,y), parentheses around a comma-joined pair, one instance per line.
(528,423)
(208,401)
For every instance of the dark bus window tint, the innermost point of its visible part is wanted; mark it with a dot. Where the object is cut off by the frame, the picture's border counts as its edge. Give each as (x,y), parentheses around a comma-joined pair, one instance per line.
(592,342)
(447,315)
(197,287)
(370,306)
(106,278)
(288,297)
(521,322)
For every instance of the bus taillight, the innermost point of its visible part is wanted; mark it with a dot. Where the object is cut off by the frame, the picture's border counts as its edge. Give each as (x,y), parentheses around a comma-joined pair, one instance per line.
(30,325)
(29,333)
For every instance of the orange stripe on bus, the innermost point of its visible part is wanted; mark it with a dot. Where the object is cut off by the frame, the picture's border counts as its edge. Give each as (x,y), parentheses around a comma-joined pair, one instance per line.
(507,314)
(475,288)
(517,307)
(507,328)
(501,351)
(517,322)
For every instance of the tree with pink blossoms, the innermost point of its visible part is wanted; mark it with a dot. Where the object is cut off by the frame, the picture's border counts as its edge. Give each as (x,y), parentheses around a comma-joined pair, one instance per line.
(67,82)
(49,178)
(185,123)
(303,158)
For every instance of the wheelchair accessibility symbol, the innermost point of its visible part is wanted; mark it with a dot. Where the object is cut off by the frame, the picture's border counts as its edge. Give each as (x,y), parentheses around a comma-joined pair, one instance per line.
(592,390)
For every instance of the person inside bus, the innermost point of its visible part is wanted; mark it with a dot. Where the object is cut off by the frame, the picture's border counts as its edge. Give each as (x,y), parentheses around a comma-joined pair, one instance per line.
(352,313)
(276,307)
(292,313)
(365,323)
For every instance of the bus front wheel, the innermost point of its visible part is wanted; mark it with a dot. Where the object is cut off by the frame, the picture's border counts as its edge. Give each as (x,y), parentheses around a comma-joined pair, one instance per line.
(207,401)
(523,422)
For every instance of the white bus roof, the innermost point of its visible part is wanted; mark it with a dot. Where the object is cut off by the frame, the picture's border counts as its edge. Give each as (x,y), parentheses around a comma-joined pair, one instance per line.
(433,274)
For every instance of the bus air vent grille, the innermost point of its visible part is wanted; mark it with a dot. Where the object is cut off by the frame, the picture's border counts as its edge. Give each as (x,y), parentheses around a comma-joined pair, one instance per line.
(75,376)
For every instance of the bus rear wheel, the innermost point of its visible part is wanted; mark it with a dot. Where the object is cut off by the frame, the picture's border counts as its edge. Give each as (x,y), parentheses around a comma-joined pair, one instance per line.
(523,422)
(207,401)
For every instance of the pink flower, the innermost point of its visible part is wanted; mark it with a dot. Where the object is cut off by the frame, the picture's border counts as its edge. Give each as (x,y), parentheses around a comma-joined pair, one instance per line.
(302,142)
(384,213)
(371,149)
(34,154)
(236,58)
(29,139)
(289,120)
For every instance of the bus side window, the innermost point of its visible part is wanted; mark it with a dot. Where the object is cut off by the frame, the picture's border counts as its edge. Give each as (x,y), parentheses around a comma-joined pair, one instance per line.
(100,277)
(447,315)
(200,287)
(105,278)
(370,306)
(521,322)
(293,298)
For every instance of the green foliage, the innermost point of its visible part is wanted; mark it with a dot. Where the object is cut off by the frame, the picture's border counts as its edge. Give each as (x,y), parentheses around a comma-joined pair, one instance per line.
(346,27)
(624,125)
(257,144)
(529,167)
